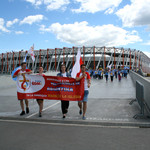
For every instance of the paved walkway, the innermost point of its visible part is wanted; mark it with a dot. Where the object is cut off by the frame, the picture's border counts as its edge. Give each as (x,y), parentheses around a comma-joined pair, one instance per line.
(108,102)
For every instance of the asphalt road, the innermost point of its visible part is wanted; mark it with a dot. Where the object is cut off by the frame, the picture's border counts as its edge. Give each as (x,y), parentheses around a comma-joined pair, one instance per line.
(46,136)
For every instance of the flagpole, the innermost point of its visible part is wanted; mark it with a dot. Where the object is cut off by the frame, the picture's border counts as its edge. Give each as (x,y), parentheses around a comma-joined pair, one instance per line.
(33,61)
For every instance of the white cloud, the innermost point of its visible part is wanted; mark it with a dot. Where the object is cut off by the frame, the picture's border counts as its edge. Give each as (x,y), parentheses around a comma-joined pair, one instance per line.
(2,27)
(50,4)
(147,53)
(56,4)
(80,33)
(109,11)
(44,29)
(10,23)
(136,14)
(35,2)
(32,19)
(93,6)
(19,32)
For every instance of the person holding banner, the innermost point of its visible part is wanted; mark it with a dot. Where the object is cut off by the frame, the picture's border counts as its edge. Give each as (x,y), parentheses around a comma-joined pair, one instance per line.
(40,101)
(22,72)
(64,104)
(87,84)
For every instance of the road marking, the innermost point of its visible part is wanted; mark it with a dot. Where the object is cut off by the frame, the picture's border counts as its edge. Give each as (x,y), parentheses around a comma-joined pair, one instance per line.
(43,109)
(50,106)
(65,124)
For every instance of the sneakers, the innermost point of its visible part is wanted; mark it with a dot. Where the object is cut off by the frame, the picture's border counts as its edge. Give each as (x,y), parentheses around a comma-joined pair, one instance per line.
(22,113)
(80,112)
(40,114)
(27,110)
(64,116)
(84,118)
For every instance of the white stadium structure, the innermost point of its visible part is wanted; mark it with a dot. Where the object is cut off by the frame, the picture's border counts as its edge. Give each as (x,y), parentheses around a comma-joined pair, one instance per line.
(93,57)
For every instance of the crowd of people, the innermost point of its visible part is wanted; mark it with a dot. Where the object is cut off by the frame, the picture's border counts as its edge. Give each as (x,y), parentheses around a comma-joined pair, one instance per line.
(109,73)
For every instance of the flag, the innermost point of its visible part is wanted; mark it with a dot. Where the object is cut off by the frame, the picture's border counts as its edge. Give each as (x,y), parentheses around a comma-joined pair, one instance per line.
(78,63)
(25,59)
(109,67)
(13,72)
(31,52)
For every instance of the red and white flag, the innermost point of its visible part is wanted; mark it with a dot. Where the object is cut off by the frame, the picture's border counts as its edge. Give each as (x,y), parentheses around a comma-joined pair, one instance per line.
(31,52)
(78,63)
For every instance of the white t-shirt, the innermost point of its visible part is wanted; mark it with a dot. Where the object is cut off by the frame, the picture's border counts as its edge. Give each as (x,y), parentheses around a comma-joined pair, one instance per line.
(85,80)
(64,74)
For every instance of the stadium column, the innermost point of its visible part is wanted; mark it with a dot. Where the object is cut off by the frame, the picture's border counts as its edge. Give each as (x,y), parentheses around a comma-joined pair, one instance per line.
(135,60)
(26,56)
(83,53)
(139,59)
(2,62)
(130,59)
(13,60)
(55,58)
(123,57)
(73,55)
(63,55)
(40,58)
(19,58)
(104,59)
(7,62)
(141,63)
(47,59)
(114,59)
(94,56)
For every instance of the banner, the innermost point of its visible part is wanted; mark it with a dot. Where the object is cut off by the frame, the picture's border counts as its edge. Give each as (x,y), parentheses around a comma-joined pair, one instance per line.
(49,87)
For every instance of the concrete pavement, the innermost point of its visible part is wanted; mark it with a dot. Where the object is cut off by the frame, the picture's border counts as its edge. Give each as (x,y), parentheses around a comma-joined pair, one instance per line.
(108,102)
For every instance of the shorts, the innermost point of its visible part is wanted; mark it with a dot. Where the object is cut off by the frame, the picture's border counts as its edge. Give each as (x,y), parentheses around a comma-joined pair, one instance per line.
(85,98)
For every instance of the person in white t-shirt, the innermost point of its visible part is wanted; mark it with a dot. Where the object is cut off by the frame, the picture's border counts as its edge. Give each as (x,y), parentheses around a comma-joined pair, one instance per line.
(40,101)
(87,84)
(64,104)
(22,72)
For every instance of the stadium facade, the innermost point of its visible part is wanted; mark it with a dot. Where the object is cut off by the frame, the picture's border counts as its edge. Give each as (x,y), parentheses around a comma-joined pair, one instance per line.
(93,57)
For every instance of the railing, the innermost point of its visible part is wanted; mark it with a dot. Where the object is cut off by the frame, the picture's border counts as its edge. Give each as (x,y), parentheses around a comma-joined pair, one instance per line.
(142,93)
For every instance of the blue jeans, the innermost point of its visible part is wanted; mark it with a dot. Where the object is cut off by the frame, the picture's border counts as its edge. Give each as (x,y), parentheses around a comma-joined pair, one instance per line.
(85,98)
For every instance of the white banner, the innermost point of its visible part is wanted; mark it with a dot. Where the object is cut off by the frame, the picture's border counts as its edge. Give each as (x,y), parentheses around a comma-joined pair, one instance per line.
(30,83)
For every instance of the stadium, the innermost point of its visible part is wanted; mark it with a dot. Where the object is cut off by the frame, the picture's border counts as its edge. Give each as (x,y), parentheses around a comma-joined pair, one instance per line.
(93,57)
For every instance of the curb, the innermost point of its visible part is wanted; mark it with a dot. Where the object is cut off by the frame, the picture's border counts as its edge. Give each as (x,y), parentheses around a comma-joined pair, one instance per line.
(86,123)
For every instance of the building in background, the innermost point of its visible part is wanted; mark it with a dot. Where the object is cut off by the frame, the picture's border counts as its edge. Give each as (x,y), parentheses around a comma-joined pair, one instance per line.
(93,57)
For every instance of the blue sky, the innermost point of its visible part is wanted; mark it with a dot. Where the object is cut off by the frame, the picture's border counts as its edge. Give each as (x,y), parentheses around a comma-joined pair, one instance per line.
(67,23)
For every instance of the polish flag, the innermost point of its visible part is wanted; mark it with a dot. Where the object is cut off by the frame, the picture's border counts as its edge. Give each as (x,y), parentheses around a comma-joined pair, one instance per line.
(31,52)
(78,63)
